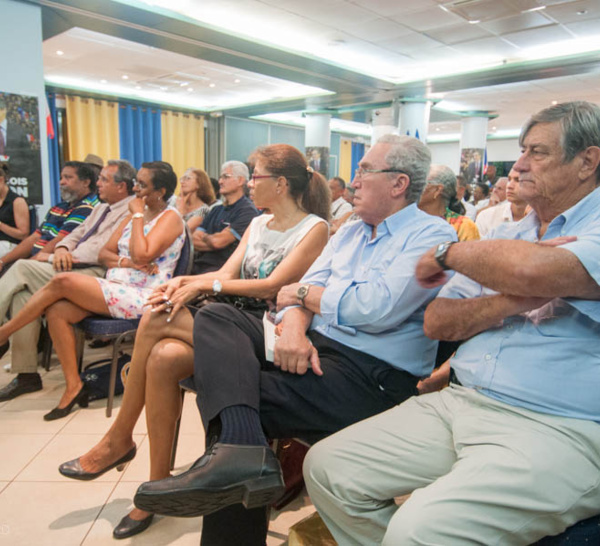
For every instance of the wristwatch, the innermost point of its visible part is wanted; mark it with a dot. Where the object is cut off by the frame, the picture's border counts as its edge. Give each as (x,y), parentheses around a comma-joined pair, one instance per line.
(217,286)
(137,215)
(302,292)
(441,253)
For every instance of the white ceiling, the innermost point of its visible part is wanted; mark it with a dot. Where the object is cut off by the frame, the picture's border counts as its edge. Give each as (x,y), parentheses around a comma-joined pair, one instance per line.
(394,40)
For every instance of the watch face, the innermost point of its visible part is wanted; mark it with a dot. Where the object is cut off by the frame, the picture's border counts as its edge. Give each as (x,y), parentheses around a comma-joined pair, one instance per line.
(302,291)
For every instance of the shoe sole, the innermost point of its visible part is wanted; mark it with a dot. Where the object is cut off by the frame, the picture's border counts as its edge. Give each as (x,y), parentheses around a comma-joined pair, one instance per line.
(193,503)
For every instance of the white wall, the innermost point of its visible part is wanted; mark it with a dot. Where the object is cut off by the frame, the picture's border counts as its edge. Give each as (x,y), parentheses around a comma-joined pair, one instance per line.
(448,153)
(22,67)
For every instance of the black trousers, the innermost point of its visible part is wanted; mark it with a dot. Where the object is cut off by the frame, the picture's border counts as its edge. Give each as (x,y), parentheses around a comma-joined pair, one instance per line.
(230,369)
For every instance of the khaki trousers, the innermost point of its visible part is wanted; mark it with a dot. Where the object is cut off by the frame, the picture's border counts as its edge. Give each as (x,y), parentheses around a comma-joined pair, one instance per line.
(17,285)
(481,472)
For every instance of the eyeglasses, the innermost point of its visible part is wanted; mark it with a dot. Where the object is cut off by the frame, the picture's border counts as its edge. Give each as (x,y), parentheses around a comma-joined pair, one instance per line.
(225,176)
(141,185)
(256,177)
(361,173)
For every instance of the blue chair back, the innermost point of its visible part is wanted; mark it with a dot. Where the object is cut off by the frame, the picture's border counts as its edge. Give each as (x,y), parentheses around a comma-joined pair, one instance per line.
(33,219)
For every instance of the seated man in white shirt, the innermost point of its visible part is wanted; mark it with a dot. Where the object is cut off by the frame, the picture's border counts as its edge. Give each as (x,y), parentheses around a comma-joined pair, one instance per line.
(511,210)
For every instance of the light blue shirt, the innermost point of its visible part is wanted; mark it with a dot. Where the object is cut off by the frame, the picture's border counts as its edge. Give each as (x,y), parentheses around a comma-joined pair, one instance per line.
(548,359)
(372,301)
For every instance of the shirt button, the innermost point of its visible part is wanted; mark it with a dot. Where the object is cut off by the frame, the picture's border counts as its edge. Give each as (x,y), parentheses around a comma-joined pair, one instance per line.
(488,357)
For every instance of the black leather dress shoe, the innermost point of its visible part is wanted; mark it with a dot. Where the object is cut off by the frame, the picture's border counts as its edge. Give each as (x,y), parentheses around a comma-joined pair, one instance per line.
(19,386)
(129,527)
(226,474)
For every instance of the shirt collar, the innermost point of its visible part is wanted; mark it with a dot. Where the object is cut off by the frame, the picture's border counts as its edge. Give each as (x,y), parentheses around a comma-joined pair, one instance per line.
(394,223)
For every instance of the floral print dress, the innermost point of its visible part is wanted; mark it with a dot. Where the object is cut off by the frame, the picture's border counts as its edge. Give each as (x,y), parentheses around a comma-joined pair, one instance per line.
(126,289)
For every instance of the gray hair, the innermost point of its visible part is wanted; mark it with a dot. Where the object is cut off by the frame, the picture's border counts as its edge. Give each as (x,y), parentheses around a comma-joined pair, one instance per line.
(579,123)
(238,168)
(125,173)
(412,157)
(440,174)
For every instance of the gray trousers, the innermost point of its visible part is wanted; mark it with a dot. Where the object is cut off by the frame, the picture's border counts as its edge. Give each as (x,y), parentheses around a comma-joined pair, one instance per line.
(481,472)
(17,285)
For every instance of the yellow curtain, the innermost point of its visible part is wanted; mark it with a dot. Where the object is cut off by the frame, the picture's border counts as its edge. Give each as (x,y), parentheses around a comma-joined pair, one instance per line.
(92,128)
(182,140)
(345,169)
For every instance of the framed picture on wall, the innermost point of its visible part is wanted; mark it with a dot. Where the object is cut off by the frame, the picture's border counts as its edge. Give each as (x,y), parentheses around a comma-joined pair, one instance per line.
(20,145)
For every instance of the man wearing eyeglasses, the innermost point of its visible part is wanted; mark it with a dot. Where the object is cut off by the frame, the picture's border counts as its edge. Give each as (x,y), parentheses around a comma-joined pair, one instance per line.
(224,225)
(352,345)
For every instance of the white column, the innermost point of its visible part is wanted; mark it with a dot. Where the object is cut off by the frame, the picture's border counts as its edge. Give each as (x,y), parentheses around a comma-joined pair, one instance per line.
(414,118)
(317,139)
(384,123)
(23,71)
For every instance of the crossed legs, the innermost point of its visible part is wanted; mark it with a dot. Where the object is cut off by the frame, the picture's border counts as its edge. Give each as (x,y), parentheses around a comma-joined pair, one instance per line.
(162,356)
(481,472)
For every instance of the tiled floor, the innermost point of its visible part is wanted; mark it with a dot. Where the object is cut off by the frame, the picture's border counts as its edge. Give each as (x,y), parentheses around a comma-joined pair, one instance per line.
(40,507)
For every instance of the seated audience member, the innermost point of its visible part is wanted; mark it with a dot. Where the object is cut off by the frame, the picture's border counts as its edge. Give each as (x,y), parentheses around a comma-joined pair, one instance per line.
(510,452)
(196,194)
(364,351)
(77,189)
(463,195)
(14,215)
(95,162)
(277,249)
(481,196)
(339,206)
(497,194)
(223,227)
(439,199)
(513,210)
(138,257)
(79,249)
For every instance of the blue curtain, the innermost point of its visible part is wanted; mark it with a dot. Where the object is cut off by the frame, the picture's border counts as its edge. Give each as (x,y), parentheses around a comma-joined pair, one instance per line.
(358,150)
(139,133)
(53,153)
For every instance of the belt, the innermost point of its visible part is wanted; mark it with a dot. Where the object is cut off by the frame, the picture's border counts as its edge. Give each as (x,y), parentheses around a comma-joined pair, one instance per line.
(454,379)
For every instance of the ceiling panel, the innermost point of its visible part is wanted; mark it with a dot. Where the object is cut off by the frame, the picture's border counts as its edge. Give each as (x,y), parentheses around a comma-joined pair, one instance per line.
(427,19)
(455,34)
(522,21)
(574,12)
(538,36)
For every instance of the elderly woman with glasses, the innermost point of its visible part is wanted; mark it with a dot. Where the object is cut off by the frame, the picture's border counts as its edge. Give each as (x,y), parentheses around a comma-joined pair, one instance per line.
(275,250)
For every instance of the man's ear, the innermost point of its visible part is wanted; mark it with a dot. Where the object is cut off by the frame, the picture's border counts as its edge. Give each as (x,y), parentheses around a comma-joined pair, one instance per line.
(590,162)
(400,185)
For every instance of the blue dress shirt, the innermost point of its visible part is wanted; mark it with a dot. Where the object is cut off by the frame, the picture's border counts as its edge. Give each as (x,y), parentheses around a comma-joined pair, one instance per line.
(548,359)
(372,301)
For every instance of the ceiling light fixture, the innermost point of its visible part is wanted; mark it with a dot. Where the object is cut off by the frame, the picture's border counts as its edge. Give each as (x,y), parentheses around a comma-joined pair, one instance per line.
(537,8)
(237,80)
(138,86)
(189,89)
(554,102)
(125,76)
(60,53)
(183,84)
(212,85)
(475,21)
(103,81)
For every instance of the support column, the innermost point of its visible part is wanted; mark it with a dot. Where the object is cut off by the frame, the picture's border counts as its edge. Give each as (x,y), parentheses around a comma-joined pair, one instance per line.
(414,118)
(384,121)
(23,101)
(317,141)
(472,146)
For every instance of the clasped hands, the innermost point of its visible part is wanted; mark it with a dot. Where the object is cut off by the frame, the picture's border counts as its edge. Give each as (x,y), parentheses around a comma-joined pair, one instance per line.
(174,294)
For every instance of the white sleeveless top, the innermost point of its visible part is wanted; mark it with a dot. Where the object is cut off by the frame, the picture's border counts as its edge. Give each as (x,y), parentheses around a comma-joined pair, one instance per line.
(267,248)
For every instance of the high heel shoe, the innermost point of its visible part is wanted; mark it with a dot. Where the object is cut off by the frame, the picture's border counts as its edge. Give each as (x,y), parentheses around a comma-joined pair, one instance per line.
(129,527)
(72,469)
(81,398)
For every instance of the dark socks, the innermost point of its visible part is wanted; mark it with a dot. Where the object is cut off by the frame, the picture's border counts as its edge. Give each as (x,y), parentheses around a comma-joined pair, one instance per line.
(240,425)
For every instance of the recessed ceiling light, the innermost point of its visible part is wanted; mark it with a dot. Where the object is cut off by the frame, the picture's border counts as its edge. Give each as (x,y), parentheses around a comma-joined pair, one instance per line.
(494,128)
(475,21)
(60,53)
(138,86)
(554,102)
(212,85)
(237,80)
(125,76)
(537,8)
(582,12)
(103,81)
(183,84)
(437,128)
